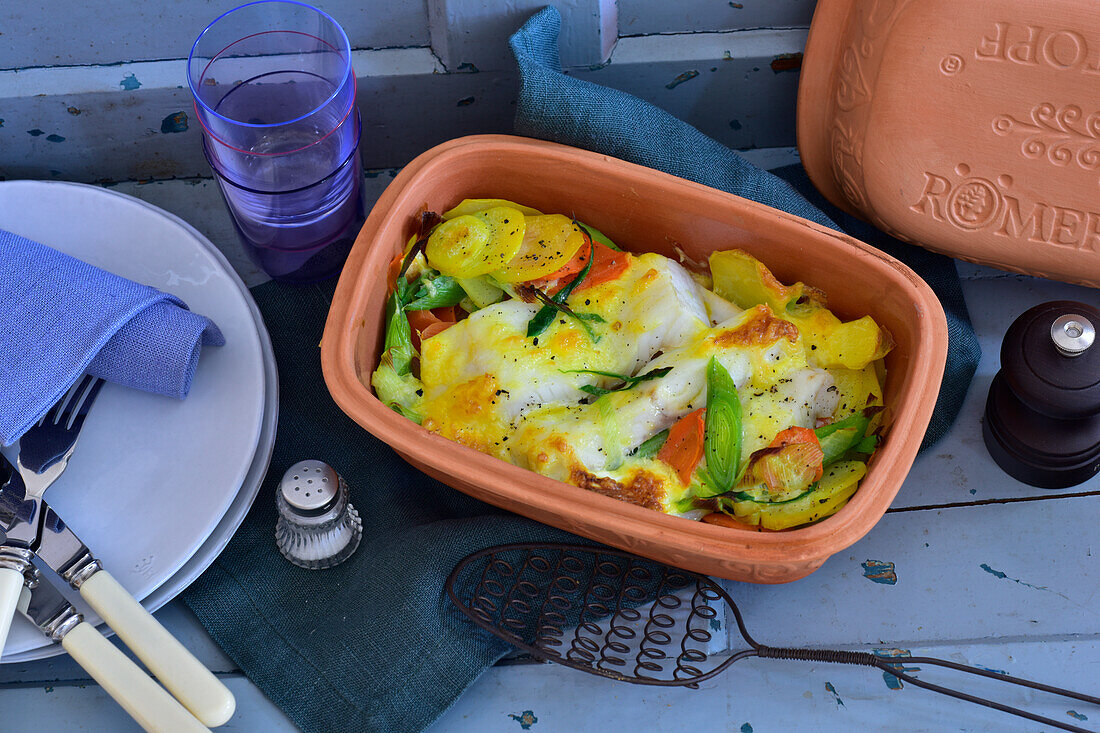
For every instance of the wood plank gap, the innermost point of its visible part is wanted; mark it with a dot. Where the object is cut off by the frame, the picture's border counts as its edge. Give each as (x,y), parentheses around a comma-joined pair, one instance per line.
(804,28)
(987,502)
(86,681)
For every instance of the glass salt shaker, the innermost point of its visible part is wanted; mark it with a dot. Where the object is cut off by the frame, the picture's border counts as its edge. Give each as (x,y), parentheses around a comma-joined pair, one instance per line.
(318,527)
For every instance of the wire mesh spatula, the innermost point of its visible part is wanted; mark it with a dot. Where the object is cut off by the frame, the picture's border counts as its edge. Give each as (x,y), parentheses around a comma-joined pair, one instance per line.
(615,615)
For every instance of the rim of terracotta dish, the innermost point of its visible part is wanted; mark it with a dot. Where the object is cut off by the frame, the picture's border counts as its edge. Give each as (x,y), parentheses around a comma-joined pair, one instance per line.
(814,542)
(815,97)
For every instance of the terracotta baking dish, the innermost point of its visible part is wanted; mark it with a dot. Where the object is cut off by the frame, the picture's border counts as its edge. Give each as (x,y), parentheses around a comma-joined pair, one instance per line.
(971,128)
(642,210)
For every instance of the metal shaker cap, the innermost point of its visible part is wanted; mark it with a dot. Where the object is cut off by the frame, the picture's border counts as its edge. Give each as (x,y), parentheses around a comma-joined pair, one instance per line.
(310,486)
(317,526)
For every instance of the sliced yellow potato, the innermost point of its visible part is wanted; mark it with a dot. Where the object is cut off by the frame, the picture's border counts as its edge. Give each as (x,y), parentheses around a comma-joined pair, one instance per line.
(852,345)
(857,389)
(745,281)
(742,279)
(837,485)
(473,244)
(549,241)
(472,206)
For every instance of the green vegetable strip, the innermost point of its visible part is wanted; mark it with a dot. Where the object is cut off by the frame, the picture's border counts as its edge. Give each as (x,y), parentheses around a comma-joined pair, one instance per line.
(845,435)
(398,344)
(598,236)
(867,445)
(722,435)
(627,381)
(837,443)
(579,317)
(745,496)
(858,420)
(545,316)
(436,292)
(407,413)
(610,434)
(651,447)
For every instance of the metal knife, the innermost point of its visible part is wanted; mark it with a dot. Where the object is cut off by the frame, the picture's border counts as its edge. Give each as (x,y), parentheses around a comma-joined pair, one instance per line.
(177,669)
(146,702)
(20,516)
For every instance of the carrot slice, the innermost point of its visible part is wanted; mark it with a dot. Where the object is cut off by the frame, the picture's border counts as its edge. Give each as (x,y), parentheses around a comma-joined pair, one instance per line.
(724,520)
(394,269)
(558,279)
(794,435)
(805,449)
(684,448)
(433,329)
(428,320)
(608,265)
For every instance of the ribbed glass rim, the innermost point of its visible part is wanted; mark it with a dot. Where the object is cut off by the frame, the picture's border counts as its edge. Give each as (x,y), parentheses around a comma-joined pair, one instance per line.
(263,192)
(315,110)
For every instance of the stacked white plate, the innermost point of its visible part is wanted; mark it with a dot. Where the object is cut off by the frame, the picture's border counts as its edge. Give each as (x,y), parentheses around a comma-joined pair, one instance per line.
(156,486)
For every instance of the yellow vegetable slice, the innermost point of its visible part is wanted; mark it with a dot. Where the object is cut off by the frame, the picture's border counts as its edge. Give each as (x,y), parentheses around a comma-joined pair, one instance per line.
(481,290)
(742,279)
(549,242)
(472,206)
(836,487)
(856,390)
(474,244)
(745,281)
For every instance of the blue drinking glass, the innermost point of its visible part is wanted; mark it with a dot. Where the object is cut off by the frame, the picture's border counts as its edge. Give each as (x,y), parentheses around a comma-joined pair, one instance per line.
(274,91)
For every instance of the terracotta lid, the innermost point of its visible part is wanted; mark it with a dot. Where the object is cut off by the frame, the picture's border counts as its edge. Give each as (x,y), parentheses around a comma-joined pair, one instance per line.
(970,128)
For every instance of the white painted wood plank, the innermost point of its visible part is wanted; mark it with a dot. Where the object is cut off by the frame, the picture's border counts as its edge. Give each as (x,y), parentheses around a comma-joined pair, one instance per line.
(754,695)
(721,83)
(959,468)
(175,617)
(85,124)
(474,33)
(949,587)
(88,708)
(763,695)
(71,32)
(641,17)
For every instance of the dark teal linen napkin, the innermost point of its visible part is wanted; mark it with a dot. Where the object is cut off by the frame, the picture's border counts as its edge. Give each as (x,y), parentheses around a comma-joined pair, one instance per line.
(373,645)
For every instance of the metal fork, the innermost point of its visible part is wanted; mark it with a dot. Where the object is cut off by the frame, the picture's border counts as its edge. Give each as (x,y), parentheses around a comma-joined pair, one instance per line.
(44,452)
(45,449)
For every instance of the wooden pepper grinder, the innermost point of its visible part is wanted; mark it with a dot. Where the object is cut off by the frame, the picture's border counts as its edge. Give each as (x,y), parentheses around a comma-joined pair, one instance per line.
(1042,416)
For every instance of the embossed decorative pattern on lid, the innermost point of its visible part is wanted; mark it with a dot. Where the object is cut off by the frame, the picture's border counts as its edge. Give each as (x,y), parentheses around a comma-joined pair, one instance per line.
(972,129)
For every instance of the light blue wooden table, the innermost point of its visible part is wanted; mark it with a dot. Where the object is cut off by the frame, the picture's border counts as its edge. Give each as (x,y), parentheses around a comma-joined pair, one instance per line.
(968,565)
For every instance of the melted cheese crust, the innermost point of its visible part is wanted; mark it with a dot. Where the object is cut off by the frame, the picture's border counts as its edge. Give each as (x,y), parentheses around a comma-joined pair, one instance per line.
(490,387)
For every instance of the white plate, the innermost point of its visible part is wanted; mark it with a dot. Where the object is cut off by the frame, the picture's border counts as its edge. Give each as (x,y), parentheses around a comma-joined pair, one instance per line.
(155,486)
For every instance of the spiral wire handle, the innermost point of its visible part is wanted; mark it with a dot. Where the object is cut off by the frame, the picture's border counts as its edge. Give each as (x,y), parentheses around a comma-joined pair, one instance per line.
(619,616)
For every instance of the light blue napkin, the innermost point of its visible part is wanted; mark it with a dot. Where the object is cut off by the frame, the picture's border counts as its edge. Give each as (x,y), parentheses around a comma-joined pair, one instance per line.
(60,317)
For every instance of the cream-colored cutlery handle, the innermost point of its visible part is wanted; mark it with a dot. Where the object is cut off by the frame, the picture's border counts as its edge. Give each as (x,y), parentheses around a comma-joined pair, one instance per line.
(154,709)
(176,668)
(11,585)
